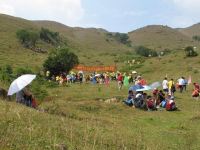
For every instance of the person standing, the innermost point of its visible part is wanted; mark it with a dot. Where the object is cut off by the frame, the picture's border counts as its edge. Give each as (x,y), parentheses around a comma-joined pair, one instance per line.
(165,85)
(181,84)
(171,87)
(120,81)
(185,83)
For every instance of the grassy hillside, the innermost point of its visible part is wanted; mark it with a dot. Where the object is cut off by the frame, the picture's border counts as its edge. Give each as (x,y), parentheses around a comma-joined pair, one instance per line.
(11,51)
(89,43)
(192,30)
(160,38)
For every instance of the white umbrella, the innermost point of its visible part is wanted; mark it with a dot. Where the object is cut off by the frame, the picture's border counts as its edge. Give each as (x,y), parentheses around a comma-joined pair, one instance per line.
(19,83)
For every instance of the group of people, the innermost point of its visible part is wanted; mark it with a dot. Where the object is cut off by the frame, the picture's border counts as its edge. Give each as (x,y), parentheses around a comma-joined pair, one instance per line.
(158,99)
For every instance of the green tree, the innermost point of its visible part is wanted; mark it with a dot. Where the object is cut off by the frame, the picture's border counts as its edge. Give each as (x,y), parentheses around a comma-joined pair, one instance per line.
(196,37)
(146,52)
(60,60)
(49,36)
(120,37)
(190,52)
(27,38)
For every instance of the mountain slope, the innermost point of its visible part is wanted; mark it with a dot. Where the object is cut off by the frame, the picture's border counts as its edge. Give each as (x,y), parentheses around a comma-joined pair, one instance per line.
(11,51)
(192,30)
(160,37)
(88,44)
(88,41)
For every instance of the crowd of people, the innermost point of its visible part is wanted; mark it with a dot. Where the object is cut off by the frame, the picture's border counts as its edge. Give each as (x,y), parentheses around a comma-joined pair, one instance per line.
(95,78)
(163,98)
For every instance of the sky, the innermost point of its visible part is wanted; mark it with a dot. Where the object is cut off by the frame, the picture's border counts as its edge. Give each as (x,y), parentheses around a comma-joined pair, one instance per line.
(112,15)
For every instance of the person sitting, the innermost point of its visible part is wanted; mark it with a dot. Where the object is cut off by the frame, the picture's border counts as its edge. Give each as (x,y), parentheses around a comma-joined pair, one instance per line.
(150,103)
(20,97)
(171,106)
(130,99)
(138,101)
(196,90)
(27,97)
(161,96)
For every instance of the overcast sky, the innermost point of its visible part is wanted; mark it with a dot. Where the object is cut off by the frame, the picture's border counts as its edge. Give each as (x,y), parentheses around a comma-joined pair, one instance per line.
(112,15)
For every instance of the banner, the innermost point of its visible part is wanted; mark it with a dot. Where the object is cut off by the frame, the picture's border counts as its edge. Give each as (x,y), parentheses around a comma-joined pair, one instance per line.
(95,68)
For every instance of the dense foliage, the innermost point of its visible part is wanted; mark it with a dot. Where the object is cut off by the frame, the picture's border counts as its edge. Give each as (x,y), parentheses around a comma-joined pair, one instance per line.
(196,37)
(6,73)
(120,37)
(27,38)
(190,52)
(146,52)
(60,60)
(49,36)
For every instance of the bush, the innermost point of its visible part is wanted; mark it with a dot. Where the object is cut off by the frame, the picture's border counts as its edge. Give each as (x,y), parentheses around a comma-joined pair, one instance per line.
(190,52)
(59,61)
(146,52)
(27,38)
(6,73)
(196,38)
(38,91)
(120,37)
(20,71)
(49,36)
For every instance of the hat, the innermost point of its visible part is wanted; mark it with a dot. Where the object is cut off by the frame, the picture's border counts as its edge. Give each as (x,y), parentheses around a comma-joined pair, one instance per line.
(134,72)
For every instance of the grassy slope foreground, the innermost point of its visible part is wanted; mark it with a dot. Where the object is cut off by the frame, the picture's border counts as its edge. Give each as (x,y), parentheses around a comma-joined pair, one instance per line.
(88,123)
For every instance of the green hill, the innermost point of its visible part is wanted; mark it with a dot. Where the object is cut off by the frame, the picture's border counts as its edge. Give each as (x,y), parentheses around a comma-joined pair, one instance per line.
(87,43)
(160,38)
(192,30)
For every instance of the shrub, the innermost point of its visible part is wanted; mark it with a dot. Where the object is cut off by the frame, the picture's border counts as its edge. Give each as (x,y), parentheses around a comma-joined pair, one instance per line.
(190,52)
(20,71)
(38,91)
(60,60)
(120,37)
(27,38)
(196,38)
(146,52)
(49,36)
(6,73)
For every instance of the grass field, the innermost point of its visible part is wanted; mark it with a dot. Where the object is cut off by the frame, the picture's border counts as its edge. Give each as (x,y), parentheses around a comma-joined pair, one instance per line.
(77,118)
